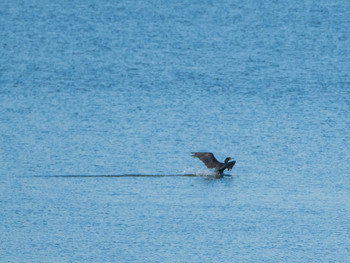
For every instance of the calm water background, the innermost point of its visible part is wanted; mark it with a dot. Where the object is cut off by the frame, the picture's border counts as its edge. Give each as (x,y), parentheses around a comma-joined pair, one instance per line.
(95,88)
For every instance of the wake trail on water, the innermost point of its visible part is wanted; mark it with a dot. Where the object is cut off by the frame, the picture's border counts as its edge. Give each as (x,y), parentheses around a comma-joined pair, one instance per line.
(186,172)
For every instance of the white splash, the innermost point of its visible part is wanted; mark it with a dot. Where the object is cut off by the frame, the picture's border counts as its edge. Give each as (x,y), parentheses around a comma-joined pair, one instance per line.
(196,172)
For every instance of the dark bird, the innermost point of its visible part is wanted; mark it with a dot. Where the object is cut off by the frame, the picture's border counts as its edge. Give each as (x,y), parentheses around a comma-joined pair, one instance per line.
(210,161)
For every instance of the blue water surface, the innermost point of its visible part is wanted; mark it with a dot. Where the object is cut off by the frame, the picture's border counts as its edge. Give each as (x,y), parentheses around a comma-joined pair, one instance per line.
(102,103)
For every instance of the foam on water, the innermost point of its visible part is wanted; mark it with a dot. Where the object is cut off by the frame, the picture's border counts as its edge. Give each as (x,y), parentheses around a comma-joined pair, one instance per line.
(204,172)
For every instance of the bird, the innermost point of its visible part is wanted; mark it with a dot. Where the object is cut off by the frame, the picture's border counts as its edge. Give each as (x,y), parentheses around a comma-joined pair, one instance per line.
(210,161)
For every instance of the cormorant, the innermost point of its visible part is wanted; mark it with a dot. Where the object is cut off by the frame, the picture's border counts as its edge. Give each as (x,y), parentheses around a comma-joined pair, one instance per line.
(210,161)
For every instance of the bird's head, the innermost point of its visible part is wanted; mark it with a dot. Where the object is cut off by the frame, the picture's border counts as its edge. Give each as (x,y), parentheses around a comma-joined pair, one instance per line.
(228,159)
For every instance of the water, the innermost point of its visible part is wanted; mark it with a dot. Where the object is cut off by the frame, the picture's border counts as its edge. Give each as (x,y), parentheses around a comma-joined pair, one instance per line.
(102,104)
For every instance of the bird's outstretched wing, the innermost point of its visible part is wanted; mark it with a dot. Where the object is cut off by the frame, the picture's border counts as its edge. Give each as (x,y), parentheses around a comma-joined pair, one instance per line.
(230,165)
(207,158)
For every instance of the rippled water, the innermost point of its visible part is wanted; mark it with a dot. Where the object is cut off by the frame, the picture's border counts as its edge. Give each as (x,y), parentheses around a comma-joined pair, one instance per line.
(102,104)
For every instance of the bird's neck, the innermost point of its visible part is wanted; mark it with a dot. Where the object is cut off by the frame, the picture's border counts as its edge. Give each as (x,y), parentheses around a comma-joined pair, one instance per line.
(226,160)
